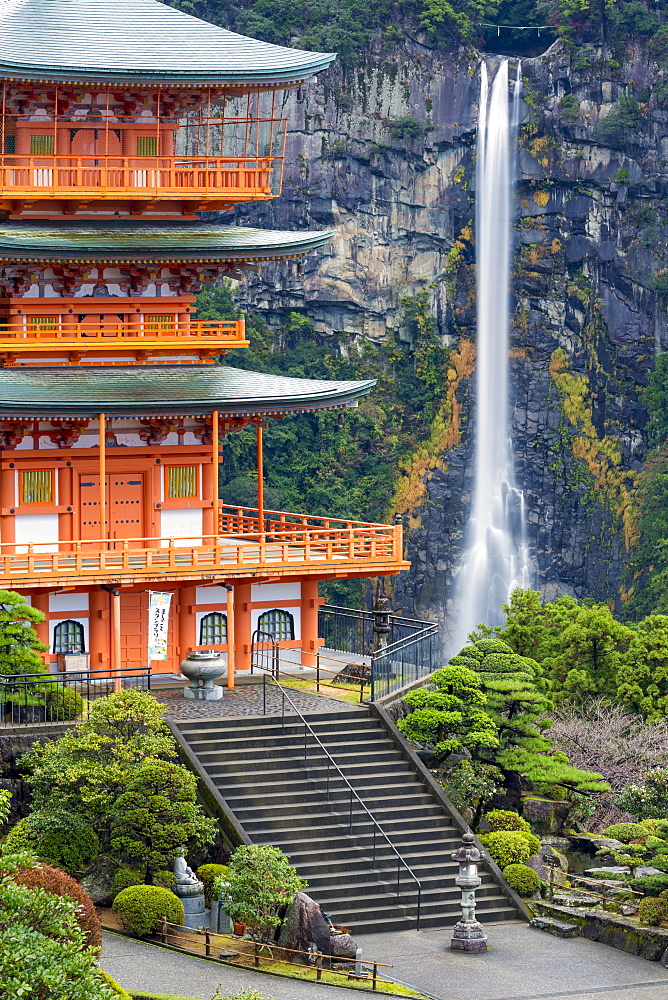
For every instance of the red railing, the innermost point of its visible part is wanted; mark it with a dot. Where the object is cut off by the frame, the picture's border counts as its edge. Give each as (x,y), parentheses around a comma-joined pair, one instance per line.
(284,525)
(118,176)
(374,546)
(141,328)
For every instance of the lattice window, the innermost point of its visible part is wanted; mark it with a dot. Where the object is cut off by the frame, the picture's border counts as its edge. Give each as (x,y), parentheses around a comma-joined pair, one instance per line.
(181,481)
(147,145)
(37,486)
(10,144)
(280,624)
(41,145)
(213,629)
(68,637)
(156,323)
(43,324)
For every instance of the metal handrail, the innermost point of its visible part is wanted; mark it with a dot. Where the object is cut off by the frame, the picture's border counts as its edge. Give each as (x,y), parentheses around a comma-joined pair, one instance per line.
(266,638)
(353,793)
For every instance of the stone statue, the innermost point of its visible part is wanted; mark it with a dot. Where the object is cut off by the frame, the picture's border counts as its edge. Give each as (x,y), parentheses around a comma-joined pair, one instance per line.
(184,873)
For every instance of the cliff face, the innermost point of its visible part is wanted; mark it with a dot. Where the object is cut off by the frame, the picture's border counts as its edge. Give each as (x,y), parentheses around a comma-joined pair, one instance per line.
(384,155)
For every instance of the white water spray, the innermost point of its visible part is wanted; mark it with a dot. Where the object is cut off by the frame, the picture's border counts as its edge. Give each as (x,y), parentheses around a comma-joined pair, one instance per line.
(495,559)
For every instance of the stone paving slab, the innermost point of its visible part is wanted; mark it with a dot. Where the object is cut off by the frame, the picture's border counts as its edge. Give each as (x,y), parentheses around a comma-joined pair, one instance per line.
(522,963)
(245,701)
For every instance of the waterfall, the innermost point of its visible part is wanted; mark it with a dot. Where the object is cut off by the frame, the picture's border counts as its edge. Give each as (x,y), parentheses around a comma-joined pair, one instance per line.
(495,558)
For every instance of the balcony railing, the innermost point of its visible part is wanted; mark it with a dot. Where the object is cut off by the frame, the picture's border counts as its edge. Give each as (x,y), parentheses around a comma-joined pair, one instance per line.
(360,549)
(117,177)
(284,526)
(24,336)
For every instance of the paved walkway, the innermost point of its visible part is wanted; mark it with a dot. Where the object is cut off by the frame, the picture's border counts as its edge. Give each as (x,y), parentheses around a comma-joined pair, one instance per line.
(521,964)
(245,701)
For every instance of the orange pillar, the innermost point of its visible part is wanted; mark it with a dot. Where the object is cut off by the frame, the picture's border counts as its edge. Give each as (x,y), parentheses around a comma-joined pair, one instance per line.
(231,656)
(116,636)
(7,502)
(242,626)
(310,640)
(40,601)
(103,476)
(260,478)
(99,630)
(66,499)
(188,637)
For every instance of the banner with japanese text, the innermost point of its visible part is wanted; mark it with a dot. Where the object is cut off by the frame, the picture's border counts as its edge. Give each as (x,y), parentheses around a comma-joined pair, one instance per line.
(158,624)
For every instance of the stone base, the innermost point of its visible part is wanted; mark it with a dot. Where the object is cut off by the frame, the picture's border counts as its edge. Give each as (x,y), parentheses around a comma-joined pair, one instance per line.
(196,914)
(468,936)
(214,693)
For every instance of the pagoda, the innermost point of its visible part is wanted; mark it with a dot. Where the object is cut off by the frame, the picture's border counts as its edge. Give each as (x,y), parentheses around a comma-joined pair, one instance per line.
(120,125)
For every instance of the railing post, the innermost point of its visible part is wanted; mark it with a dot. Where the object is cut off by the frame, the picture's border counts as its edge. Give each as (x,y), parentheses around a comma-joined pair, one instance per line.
(317,672)
(257,955)
(318,966)
(374,975)
(350,817)
(207,943)
(373,860)
(264,694)
(283,716)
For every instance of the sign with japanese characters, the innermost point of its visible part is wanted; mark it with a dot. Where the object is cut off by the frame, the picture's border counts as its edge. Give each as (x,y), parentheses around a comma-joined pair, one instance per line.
(158,624)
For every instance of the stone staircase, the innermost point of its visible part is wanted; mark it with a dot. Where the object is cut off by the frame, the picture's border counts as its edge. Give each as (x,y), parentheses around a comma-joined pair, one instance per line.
(258,767)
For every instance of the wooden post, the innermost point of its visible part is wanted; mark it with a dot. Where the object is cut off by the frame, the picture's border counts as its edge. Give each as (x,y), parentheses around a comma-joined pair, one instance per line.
(318,966)
(215,432)
(309,622)
(230,636)
(103,476)
(242,626)
(374,975)
(257,955)
(260,479)
(116,637)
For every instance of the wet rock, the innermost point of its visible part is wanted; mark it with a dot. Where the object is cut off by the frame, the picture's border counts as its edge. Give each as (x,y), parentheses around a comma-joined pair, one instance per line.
(304,928)
(98,881)
(547,816)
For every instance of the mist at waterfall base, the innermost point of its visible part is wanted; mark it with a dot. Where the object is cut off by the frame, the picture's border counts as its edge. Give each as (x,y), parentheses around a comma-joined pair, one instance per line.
(495,558)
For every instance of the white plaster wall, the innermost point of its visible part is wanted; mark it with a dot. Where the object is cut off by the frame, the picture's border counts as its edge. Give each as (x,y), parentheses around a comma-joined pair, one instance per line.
(211,595)
(276,592)
(36,529)
(65,603)
(182,523)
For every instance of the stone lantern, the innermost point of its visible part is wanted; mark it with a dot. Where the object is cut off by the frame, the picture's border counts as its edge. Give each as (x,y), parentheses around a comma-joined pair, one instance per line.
(468,934)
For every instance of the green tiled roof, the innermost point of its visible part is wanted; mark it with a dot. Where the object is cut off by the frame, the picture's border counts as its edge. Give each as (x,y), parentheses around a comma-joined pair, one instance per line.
(131,241)
(141,40)
(166,389)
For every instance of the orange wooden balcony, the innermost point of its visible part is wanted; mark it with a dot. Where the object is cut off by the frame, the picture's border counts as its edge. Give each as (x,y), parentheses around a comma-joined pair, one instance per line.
(344,549)
(39,336)
(118,178)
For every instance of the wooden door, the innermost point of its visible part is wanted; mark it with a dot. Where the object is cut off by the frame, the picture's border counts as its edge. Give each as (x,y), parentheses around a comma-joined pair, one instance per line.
(89,493)
(125,506)
(134,629)
(125,498)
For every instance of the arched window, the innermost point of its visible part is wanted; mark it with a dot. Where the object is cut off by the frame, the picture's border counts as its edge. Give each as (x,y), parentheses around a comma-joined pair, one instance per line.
(68,637)
(280,624)
(213,629)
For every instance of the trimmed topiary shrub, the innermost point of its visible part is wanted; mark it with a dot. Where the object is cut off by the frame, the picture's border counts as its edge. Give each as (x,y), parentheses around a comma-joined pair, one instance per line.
(626,832)
(651,885)
(207,873)
(524,880)
(651,825)
(532,841)
(62,704)
(508,847)
(140,908)
(112,984)
(125,877)
(61,838)
(652,911)
(55,881)
(504,819)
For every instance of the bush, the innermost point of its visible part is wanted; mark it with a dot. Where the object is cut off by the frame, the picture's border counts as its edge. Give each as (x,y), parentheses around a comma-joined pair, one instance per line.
(62,704)
(651,826)
(140,908)
(112,984)
(626,832)
(651,885)
(652,911)
(54,881)
(522,879)
(504,819)
(206,874)
(62,838)
(262,882)
(126,877)
(508,847)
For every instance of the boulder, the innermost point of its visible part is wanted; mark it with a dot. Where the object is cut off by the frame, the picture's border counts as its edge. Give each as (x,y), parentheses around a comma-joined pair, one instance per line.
(98,881)
(547,858)
(343,946)
(304,928)
(547,816)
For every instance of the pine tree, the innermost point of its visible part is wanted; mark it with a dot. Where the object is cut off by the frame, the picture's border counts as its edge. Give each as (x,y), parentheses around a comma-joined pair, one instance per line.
(19,645)
(518,704)
(452,718)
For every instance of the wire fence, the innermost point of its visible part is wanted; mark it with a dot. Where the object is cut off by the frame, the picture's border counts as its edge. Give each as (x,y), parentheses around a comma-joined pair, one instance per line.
(29,699)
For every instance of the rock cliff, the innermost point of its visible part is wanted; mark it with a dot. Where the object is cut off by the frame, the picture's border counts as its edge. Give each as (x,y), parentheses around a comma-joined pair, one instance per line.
(384,155)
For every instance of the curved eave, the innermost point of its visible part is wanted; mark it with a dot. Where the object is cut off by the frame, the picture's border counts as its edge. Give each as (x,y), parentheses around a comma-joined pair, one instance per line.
(167,390)
(102,40)
(117,244)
